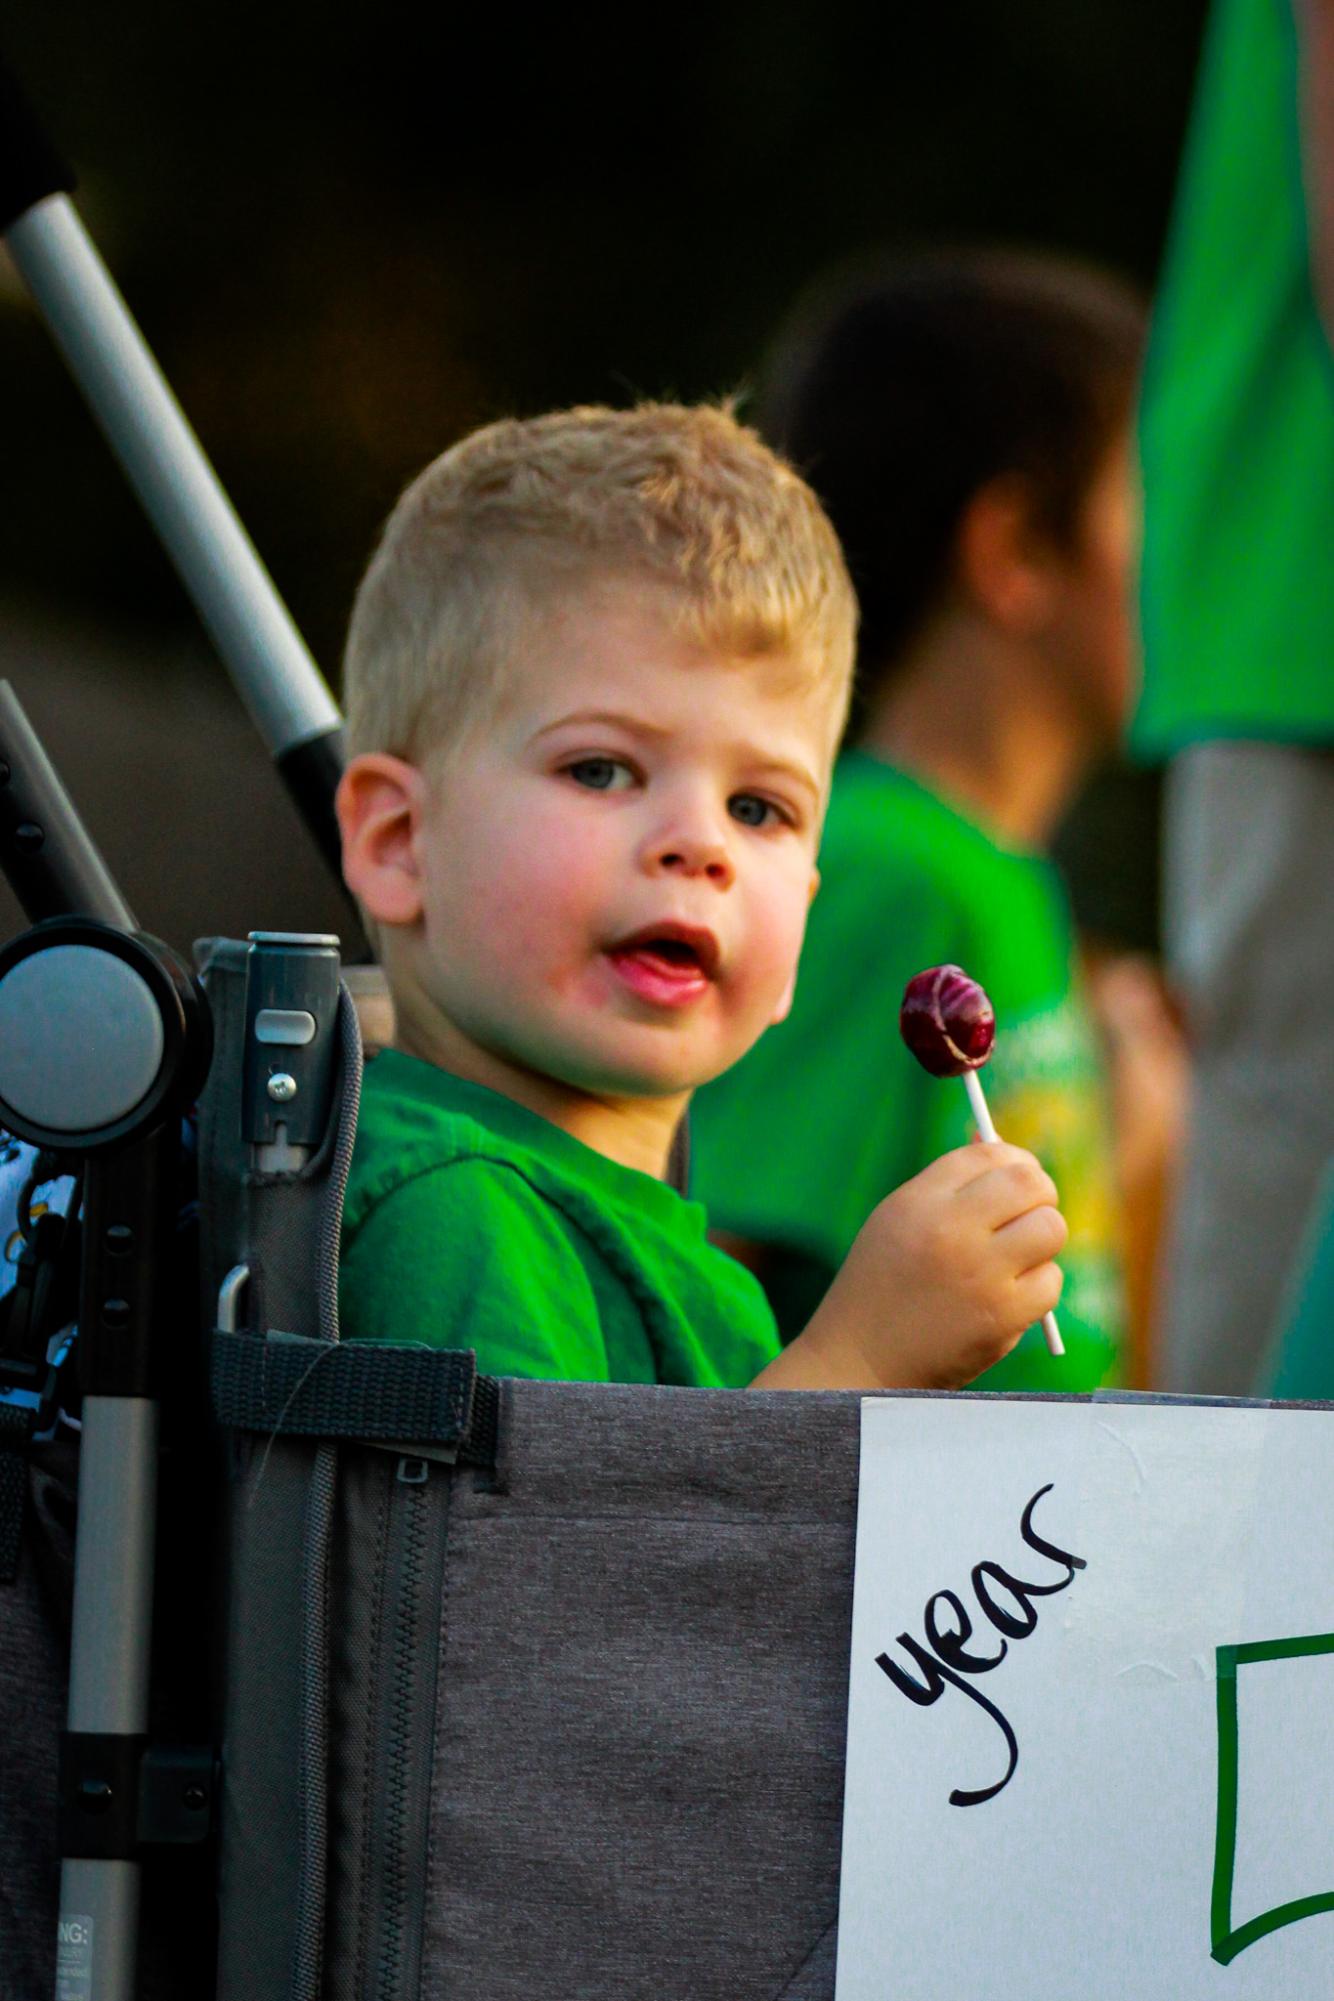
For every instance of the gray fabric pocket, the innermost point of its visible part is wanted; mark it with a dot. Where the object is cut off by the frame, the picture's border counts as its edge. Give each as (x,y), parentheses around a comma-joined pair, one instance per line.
(641,1701)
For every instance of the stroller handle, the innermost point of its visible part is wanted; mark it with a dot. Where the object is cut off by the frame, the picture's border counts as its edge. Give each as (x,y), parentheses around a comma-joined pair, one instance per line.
(280,684)
(288,698)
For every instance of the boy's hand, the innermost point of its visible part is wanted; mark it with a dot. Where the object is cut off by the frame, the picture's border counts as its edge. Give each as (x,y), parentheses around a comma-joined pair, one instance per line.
(945,1275)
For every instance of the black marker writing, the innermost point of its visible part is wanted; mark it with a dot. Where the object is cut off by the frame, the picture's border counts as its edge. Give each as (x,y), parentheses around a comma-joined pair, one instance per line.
(1007,1603)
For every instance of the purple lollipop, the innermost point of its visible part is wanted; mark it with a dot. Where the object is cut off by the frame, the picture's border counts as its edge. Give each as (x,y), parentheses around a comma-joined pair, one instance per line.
(947,1021)
(949,1025)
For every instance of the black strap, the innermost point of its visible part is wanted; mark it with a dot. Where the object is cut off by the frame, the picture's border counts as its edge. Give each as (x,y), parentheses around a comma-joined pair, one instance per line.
(484,1431)
(355,1389)
(15,1431)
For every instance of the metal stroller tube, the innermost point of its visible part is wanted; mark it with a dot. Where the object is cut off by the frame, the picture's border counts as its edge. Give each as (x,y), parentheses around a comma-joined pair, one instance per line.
(284,691)
(103,1041)
(46,852)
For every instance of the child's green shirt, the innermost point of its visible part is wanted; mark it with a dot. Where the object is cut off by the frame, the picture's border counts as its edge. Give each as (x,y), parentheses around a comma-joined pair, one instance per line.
(796,1145)
(471,1222)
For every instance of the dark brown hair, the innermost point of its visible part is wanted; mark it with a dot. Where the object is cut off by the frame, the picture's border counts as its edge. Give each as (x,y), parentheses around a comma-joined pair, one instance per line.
(903,387)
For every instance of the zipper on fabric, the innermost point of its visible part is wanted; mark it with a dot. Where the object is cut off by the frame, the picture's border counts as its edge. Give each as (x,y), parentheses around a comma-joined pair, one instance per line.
(405,1725)
(412,1476)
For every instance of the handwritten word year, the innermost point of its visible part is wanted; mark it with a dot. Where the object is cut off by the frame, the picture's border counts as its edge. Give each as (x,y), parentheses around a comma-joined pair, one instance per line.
(950,1664)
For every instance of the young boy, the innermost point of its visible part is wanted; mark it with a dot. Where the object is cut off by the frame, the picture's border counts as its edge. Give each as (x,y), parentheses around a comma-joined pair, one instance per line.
(596,674)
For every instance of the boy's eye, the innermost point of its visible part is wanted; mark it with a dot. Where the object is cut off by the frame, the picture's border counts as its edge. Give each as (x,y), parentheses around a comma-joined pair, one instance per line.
(601,774)
(752,811)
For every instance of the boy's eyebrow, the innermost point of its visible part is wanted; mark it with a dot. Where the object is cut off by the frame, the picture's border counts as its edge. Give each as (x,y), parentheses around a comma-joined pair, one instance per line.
(637,726)
(782,767)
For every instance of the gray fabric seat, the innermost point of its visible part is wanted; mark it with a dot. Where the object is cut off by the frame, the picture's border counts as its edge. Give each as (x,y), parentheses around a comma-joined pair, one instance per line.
(638,1760)
(568,1720)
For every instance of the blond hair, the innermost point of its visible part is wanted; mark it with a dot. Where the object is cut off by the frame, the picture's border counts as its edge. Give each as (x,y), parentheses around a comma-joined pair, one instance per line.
(522,510)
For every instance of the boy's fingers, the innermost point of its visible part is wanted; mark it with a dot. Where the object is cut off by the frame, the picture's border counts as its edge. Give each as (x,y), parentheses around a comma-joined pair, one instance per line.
(1032,1239)
(966,1164)
(1010,1184)
(1037,1292)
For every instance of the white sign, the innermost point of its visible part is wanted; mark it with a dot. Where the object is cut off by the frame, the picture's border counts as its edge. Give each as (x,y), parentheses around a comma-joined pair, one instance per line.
(1091,1707)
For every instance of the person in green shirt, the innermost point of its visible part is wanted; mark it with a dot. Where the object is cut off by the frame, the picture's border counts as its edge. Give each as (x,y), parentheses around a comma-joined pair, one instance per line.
(1237,441)
(966,419)
(595,676)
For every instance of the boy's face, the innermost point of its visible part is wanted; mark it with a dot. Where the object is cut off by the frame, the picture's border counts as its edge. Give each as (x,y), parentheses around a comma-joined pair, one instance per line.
(614,871)
(1094,614)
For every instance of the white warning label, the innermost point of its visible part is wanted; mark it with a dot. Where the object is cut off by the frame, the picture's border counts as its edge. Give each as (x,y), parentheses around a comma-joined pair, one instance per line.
(74,1959)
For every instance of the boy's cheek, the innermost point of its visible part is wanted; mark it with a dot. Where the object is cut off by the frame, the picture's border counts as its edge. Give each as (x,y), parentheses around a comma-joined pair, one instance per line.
(783,959)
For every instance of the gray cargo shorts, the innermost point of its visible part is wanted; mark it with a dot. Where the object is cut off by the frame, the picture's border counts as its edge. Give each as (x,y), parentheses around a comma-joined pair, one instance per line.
(1249,927)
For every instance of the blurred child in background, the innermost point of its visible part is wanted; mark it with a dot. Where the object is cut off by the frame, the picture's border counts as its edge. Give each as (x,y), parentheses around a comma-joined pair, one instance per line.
(967,421)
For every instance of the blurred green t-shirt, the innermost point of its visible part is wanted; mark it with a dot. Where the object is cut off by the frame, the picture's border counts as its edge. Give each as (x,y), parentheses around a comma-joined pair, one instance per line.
(471,1222)
(1237,422)
(797,1144)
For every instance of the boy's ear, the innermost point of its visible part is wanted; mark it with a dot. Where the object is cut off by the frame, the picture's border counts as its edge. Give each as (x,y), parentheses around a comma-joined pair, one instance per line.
(379,806)
(1002,561)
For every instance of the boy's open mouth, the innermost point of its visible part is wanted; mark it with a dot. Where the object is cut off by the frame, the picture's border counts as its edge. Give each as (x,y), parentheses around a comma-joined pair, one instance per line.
(666,963)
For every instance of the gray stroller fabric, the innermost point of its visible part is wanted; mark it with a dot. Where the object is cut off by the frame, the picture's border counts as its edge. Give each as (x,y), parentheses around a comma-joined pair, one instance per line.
(565,1720)
(637,1769)
(34,1669)
(586,1712)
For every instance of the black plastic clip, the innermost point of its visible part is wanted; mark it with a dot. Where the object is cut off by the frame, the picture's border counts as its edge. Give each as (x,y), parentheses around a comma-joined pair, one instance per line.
(119,1795)
(178,1786)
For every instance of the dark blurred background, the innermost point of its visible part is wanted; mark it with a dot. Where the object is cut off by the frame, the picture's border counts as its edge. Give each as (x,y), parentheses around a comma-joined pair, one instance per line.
(348,239)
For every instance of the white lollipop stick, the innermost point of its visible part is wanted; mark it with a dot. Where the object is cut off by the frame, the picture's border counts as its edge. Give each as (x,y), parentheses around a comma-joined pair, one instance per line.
(972,1083)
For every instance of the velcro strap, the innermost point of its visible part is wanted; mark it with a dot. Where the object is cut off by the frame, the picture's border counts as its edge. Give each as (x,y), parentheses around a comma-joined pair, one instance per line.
(352,1389)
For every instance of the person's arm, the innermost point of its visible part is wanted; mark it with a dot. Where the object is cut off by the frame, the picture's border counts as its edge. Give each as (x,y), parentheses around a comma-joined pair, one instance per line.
(943,1278)
(1315,116)
(1148,1074)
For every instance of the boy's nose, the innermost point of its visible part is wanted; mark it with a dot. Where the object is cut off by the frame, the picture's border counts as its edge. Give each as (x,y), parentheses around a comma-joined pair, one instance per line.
(691,854)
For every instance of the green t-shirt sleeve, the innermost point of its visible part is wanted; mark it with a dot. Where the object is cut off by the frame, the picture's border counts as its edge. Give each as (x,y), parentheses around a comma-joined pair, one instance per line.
(470,1255)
